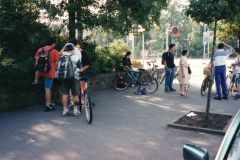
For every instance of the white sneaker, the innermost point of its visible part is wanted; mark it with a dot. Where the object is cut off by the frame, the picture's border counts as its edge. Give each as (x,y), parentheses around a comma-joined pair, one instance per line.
(76,112)
(65,112)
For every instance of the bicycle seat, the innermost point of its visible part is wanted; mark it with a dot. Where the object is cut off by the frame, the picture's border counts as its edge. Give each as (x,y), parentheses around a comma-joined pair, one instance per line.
(156,65)
(142,70)
(231,71)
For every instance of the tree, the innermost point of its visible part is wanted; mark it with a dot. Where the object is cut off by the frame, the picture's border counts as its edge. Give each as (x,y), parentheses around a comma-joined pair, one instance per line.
(115,15)
(209,11)
(18,25)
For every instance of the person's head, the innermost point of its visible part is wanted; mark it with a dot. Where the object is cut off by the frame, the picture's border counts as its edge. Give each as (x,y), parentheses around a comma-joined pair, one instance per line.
(237,51)
(184,52)
(220,46)
(128,54)
(172,47)
(75,42)
(51,42)
(69,47)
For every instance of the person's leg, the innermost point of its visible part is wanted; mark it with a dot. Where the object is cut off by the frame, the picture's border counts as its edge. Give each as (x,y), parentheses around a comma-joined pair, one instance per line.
(65,92)
(48,85)
(172,73)
(36,78)
(180,90)
(65,104)
(75,88)
(218,82)
(223,81)
(167,79)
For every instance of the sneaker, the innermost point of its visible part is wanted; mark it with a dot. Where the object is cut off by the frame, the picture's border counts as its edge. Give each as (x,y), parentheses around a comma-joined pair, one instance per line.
(236,97)
(172,90)
(225,98)
(35,83)
(76,112)
(49,108)
(217,98)
(65,112)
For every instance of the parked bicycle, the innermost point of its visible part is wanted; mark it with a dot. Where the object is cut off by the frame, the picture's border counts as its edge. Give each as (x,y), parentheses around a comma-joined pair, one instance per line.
(233,79)
(124,79)
(206,81)
(153,68)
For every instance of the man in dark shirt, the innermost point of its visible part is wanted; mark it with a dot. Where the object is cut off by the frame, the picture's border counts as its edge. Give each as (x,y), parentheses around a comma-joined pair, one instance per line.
(168,62)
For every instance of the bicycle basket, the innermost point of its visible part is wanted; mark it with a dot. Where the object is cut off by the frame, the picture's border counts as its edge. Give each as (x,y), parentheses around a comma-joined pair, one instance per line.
(206,70)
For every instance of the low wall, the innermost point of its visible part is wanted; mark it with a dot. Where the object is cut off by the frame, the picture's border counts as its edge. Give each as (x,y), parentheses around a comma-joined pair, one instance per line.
(12,97)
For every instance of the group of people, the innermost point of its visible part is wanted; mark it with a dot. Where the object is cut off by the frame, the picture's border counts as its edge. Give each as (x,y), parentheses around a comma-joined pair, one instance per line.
(183,72)
(66,66)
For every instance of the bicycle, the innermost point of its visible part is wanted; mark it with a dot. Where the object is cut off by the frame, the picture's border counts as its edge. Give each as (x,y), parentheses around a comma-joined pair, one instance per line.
(153,70)
(233,79)
(206,81)
(85,99)
(124,79)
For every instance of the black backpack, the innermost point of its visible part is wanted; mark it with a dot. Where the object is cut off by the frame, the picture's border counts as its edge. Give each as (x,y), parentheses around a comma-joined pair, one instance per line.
(65,68)
(43,62)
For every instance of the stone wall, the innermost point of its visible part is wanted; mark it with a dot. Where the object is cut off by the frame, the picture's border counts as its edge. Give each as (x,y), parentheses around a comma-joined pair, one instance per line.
(12,98)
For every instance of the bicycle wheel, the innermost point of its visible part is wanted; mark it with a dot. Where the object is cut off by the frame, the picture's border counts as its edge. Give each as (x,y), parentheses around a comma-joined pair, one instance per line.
(87,107)
(204,87)
(121,82)
(229,85)
(163,75)
(150,83)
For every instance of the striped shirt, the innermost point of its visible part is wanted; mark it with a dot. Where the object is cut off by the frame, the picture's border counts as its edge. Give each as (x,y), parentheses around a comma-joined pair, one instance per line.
(220,56)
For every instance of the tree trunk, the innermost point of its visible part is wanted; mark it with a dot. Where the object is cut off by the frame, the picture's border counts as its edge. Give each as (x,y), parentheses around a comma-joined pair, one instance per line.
(71,24)
(211,74)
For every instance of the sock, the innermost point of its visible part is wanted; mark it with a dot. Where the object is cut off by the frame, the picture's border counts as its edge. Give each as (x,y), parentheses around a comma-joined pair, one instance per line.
(48,104)
(35,81)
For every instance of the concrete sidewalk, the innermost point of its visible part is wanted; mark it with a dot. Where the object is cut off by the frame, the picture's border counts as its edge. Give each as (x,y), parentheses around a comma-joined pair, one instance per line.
(125,127)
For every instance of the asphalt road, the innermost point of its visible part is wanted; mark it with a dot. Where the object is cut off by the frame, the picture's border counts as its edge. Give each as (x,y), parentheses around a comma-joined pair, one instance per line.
(125,127)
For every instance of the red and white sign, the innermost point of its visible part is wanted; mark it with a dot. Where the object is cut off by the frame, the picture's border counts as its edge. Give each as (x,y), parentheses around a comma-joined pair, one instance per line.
(175,31)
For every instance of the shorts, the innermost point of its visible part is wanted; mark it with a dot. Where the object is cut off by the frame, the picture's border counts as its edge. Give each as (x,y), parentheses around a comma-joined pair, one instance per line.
(70,84)
(48,82)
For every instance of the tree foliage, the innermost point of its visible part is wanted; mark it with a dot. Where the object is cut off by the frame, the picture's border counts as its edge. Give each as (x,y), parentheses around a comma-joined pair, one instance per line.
(19,29)
(115,15)
(208,11)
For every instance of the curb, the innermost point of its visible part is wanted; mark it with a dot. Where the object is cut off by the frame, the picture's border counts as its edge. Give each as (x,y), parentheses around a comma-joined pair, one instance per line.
(201,129)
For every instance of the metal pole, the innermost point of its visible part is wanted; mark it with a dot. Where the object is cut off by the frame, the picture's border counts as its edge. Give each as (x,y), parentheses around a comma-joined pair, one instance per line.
(208,43)
(166,38)
(204,51)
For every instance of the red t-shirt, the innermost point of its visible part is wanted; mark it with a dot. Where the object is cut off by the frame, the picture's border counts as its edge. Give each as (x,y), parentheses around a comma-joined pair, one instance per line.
(54,55)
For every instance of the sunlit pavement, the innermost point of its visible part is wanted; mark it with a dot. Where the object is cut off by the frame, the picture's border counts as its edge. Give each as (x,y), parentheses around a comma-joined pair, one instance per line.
(125,127)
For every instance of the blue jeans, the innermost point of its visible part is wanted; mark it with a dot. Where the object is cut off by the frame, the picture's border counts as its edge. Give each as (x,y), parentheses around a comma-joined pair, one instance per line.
(170,72)
(220,78)
(135,75)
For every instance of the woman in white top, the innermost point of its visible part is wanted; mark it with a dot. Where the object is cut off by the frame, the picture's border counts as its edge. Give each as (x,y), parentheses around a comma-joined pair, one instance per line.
(183,75)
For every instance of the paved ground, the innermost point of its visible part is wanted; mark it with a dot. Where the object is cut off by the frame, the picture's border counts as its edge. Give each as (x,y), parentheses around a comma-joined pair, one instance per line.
(125,127)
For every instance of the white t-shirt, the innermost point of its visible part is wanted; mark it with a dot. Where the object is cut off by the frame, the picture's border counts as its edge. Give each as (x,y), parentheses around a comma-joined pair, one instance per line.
(237,68)
(78,52)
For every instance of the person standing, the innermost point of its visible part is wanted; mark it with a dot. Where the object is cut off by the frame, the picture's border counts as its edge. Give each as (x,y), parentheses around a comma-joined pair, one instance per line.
(168,62)
(183,76)
(71,81)
(49,75)
(220,60)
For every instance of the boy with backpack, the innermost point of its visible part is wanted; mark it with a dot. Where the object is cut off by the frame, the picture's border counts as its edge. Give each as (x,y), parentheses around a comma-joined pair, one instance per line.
(46,59)
(68,71)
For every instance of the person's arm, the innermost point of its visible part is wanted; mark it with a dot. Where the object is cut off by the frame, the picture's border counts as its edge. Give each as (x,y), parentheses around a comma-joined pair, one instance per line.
(230,49)
(164,60)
